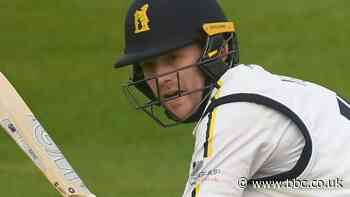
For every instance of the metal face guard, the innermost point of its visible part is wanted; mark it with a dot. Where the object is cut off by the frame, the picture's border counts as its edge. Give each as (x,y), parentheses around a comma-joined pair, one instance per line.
(155,106)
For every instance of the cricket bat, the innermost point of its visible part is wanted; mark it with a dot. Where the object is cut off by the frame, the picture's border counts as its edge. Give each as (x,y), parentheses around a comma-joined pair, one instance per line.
(21,125)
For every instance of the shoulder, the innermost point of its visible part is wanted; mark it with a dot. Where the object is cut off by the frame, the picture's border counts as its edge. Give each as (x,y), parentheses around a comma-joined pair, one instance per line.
(245,116)
(253,83)
(247,78)
(244,71)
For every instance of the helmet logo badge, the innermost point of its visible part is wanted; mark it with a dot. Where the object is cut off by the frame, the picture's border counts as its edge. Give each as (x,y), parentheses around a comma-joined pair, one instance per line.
(141,20)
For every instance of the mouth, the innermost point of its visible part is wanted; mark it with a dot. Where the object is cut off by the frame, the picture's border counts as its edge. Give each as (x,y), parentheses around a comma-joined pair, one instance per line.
(172,94)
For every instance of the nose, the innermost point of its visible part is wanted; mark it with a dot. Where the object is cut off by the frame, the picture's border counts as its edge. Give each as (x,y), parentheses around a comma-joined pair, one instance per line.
(164,81)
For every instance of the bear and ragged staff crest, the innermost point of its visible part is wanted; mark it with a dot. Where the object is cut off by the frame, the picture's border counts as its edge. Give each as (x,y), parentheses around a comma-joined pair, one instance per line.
(142,20)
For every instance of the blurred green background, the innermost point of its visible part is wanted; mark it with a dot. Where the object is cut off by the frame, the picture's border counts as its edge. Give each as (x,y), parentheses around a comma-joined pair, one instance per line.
(59,55)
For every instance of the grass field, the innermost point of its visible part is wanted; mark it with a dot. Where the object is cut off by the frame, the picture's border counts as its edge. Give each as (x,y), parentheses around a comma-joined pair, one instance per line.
(59,55)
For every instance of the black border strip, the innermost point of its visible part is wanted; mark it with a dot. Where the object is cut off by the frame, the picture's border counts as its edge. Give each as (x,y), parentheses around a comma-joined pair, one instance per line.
(206,143)
(344,109)
(193,194)
(262,100)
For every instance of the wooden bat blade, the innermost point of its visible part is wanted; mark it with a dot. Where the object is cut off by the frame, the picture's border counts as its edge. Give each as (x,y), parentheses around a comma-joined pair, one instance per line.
(20,123)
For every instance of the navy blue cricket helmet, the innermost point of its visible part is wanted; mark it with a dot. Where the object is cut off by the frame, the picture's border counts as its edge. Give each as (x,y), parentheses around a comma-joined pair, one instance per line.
(154,28)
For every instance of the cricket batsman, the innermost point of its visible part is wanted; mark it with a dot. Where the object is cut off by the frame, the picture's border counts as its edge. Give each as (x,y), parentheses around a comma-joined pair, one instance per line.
(257,134)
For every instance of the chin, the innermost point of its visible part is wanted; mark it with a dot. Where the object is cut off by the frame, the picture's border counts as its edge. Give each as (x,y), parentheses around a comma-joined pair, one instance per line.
(180,108)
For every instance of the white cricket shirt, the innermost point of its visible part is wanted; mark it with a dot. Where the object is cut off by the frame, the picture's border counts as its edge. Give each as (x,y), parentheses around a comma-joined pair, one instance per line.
(271,129)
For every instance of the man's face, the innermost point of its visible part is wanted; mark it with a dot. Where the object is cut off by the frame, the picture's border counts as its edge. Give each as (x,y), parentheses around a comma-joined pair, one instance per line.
(190,79)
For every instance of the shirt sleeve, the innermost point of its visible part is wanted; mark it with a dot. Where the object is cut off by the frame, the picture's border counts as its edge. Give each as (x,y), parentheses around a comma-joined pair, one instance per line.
(233,143)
